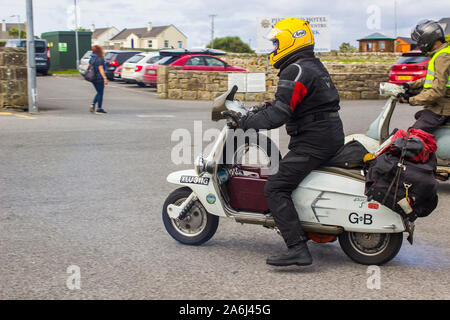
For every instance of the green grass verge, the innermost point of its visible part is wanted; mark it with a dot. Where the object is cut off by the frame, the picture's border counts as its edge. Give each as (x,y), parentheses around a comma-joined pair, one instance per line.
(69,71)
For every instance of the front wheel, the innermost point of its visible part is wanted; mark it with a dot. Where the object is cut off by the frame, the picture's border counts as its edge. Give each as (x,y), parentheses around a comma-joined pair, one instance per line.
(371,248)
(196,228)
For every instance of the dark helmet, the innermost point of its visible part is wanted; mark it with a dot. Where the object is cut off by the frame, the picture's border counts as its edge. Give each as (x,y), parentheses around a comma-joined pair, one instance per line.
(426,33)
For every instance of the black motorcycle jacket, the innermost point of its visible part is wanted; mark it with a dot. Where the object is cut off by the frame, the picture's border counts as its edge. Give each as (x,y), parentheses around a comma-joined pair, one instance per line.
(306,101)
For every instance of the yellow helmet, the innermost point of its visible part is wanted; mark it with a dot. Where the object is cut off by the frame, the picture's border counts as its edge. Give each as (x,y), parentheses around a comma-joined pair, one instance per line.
(289,35)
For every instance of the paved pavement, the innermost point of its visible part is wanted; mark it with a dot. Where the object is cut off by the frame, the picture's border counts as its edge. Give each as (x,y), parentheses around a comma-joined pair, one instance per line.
(85,190)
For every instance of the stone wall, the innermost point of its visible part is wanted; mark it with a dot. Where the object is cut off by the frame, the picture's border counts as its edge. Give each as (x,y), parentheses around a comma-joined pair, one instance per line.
(353,81)
(258,62)
(13,78)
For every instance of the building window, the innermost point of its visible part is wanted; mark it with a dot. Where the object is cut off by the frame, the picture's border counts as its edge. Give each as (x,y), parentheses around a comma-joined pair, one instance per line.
(150,43)
(369,46)
(180,44)
(166,43)
(382,45)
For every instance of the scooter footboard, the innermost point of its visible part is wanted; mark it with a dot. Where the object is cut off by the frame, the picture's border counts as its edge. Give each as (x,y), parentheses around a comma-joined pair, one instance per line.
(202,186)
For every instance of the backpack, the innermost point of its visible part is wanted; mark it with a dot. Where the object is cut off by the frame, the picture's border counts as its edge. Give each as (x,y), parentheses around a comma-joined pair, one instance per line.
(90,74)
(408,188)
(419,144)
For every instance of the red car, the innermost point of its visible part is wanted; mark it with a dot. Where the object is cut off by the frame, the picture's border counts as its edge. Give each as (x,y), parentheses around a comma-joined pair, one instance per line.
(118,73)
(189,61)
(411,66)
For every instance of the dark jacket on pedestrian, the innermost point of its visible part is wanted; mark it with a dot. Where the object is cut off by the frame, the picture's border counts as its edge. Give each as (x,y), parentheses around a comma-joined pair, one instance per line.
(97,61)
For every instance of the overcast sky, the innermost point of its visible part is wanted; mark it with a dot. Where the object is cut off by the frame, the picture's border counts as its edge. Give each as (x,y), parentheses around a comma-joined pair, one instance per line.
(350,20)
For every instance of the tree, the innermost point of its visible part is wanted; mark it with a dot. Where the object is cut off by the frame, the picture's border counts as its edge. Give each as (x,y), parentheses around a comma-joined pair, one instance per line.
(14,32)
(347,47)
(230,44)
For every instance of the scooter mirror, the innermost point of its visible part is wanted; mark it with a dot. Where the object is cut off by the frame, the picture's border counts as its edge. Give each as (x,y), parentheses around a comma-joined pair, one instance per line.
(219,103)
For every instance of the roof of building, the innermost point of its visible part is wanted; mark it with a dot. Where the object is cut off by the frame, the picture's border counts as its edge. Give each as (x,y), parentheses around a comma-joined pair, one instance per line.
(98,31)
(140,32)
(376,36)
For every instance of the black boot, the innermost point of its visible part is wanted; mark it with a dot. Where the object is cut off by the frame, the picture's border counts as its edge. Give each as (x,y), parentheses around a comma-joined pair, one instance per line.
(297,254)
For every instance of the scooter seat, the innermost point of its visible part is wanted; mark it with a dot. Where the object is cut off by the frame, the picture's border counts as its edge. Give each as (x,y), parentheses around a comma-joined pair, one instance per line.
(352,173)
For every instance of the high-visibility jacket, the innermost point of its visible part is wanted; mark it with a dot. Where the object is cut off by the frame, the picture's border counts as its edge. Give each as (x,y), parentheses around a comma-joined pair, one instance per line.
(435,93)
(430,72)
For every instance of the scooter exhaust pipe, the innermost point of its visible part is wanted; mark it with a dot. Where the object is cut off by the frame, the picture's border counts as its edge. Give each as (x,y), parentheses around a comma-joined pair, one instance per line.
(268,221)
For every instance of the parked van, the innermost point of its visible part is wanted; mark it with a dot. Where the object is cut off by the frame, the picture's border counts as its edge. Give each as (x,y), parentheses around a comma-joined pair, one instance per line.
(41,50)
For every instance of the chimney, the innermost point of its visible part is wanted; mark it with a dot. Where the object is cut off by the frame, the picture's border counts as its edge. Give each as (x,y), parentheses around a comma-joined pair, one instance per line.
(92,27)
(4,25)
(149,26)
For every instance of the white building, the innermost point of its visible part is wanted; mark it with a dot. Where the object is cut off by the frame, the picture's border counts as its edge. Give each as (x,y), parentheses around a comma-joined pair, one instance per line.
(162,37)
(101,36)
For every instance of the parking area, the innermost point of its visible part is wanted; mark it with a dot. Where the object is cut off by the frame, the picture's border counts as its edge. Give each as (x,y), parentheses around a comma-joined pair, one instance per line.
(86,190)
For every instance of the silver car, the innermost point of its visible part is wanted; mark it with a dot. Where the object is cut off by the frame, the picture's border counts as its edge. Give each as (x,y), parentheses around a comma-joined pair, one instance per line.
(84,62)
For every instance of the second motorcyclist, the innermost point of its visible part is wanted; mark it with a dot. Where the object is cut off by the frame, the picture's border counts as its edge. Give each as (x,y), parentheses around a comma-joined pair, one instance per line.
(435,87)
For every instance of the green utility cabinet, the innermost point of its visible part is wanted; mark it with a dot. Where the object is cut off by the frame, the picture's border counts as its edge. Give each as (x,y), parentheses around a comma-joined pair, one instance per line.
(63,48)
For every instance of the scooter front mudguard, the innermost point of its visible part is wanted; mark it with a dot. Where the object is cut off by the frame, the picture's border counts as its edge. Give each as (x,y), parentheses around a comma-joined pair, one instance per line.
(203,187)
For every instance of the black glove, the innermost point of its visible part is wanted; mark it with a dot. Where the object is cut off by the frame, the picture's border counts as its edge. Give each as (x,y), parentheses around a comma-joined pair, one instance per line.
(234,119)
(403,97)
(406,86)
(259,107)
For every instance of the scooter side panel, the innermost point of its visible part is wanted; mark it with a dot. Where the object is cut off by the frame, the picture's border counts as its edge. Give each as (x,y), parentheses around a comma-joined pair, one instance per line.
(202,186)
(332,199)
(443,142)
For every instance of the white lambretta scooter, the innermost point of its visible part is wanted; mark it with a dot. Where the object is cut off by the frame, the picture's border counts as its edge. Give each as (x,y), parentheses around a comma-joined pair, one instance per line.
(330,202)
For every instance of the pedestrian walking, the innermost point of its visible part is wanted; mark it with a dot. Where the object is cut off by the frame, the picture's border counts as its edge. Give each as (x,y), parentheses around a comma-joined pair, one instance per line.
(97,61)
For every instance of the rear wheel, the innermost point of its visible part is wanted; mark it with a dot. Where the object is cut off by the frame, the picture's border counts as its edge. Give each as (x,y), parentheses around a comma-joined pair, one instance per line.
(371,248)
(196,228)
(141,84)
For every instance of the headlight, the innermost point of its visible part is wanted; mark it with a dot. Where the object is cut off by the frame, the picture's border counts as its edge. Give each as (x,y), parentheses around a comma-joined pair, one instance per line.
(199,165)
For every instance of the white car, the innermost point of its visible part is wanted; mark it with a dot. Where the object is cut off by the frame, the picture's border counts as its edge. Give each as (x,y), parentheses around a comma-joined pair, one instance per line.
(84,62)
(133,69)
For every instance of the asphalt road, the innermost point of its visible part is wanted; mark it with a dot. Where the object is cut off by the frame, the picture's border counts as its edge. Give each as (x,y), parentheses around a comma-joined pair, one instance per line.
(85,190)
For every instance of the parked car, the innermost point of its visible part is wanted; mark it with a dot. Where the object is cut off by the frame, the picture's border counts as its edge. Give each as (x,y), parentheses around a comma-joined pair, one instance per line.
(41,49)
(84,62)
(115,58)
(118,73)
(412,65)
(133,68)
(188,60)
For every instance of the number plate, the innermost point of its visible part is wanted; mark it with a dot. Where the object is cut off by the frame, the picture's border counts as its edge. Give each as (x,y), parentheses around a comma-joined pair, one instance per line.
(404,77)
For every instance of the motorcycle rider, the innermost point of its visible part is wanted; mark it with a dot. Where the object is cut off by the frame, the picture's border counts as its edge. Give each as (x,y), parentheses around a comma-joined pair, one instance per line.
(306,101)
(435,87)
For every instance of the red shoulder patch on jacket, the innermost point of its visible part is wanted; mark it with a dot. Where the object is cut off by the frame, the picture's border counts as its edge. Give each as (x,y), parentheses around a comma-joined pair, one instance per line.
(299,94)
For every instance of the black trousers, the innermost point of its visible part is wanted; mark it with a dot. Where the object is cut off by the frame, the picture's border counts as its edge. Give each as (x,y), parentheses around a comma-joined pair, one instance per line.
(293,168)
(428,121)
